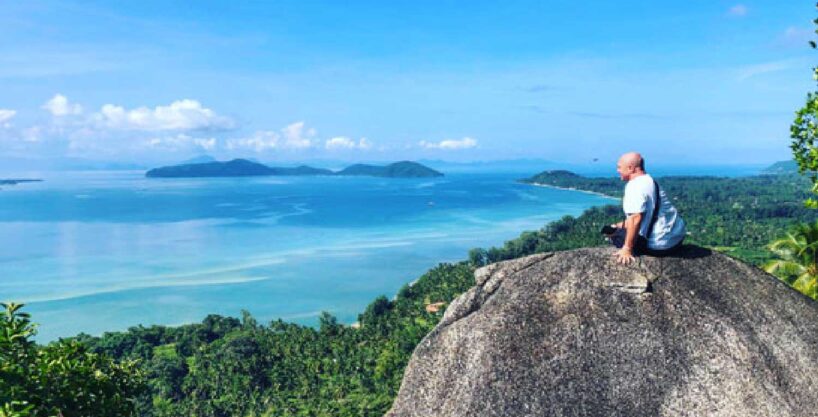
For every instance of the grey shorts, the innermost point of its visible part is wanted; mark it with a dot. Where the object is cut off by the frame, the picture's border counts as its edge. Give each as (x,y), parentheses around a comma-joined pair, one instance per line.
(641,247)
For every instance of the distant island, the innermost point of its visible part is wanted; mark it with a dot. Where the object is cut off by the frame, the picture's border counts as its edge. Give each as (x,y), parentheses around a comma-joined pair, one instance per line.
(404,169)
(568,180)
(245,168)
(781,168)
(201,159)
(16,181)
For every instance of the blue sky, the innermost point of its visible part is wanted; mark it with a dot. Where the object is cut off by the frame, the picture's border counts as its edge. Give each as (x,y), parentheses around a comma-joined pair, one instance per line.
(710,82)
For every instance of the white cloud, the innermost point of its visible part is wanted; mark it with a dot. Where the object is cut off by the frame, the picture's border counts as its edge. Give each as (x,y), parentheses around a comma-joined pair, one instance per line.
(343,142)
(294,136)
(738,10)
(260,141)
(450,144)
(180,115)
(181,142)
(5,116)
(750,71)
(60,106)
(207,144)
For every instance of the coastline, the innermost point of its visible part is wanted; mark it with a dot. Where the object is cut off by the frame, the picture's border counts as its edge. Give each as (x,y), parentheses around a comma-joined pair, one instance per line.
(356,324)
(539,184)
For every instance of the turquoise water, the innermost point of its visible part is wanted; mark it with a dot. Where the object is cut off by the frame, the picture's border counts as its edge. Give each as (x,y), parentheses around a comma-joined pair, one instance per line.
(98,251)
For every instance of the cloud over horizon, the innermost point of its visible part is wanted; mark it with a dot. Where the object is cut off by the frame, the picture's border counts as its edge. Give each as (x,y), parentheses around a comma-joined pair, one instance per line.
(59,106)
(450,144)
(294,136)
(173,129)
(343,142)
(115,130)
(185,114)
(5,116)
(182,142)
(297,137)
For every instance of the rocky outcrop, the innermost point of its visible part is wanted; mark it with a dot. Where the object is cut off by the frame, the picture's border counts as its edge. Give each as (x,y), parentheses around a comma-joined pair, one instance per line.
(574,334)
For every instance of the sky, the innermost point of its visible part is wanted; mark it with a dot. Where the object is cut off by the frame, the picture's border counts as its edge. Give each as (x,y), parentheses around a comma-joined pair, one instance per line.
(692,82)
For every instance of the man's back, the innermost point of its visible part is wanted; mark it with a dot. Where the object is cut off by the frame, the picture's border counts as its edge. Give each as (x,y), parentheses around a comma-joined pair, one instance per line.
(640,197)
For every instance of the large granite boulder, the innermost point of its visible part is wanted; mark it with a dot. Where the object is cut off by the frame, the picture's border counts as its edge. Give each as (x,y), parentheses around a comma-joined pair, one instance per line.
(574,334)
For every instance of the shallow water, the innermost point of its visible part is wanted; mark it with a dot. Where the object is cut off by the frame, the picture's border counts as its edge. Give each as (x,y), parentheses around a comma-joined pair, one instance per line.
(96,251)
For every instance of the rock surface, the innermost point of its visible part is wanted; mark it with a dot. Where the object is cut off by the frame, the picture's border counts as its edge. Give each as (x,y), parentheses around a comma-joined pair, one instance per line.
(574,334)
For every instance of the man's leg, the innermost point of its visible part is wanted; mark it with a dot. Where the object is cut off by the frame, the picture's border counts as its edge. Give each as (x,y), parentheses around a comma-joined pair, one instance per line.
(665,252)
(618,237)
(618,240)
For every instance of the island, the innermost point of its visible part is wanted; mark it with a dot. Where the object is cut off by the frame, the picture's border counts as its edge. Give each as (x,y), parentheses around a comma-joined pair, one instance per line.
(571,181)
(781,168)
(403,169)
(246,168)
(16,181)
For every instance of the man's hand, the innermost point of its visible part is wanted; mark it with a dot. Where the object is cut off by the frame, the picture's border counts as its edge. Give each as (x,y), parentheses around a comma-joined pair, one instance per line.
(624,256)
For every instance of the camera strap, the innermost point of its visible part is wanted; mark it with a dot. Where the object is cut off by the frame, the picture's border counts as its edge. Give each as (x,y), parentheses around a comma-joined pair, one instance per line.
(655,216)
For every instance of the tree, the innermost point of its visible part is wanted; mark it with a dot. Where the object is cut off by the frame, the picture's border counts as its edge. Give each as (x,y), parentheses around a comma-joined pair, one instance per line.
(328,323)
(17,355)
(64,378)
(478,257)
(804,132)
(798,263)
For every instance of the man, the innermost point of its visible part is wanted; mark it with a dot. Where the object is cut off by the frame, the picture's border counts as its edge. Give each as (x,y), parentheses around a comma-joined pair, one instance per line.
(649,228)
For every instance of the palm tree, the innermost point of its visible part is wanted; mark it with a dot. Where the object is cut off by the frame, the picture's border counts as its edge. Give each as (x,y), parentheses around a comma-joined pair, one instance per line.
(798,263)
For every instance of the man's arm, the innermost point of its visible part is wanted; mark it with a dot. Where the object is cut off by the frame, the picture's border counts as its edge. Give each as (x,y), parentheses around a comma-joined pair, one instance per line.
(632,225)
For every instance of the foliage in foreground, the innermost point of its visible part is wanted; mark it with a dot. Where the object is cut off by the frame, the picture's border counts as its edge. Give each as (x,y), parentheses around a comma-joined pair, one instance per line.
(797,254)
(62,379)
(804,132)
(797,262)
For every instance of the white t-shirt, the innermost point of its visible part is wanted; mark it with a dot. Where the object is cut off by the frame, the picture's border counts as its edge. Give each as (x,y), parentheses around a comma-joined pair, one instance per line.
(640,196)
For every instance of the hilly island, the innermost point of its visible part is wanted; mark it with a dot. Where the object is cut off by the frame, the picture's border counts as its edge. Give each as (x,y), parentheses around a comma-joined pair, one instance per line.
(245,168)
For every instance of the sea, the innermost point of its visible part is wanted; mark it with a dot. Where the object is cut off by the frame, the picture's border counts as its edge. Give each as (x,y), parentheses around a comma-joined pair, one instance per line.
(96,251)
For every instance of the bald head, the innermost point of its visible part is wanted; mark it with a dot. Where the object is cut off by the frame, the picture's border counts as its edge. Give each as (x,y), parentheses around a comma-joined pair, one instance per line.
(630,165)
(633,159)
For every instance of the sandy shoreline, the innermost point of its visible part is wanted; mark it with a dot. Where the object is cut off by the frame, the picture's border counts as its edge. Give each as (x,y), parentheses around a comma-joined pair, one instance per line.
(538,184)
